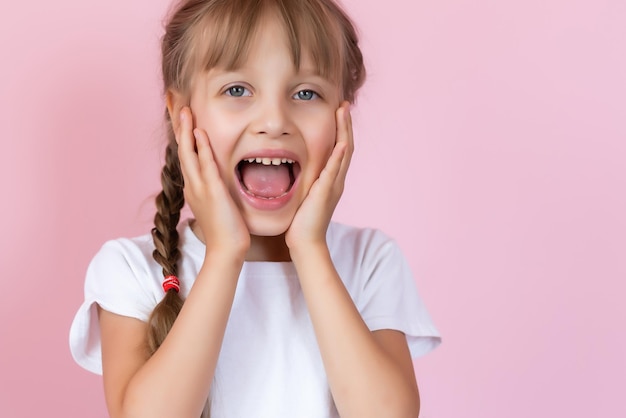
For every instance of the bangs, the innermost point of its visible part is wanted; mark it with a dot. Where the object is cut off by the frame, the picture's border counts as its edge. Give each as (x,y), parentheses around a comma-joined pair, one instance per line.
(225,34)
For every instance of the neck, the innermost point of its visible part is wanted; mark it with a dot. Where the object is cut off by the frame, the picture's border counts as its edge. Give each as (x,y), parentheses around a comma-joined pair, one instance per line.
(268,249)
(261,248)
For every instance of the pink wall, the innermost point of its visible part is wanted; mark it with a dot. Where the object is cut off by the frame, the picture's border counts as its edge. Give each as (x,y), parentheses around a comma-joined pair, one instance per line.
(491,142)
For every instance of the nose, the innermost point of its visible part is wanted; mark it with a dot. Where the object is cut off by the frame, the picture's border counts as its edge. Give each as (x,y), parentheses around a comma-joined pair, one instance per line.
(273,118)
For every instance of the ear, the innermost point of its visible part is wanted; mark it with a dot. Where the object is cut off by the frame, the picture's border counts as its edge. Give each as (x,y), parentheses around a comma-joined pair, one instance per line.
(174,102)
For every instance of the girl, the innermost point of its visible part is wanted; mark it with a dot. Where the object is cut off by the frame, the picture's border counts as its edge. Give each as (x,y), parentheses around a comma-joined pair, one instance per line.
(285,314)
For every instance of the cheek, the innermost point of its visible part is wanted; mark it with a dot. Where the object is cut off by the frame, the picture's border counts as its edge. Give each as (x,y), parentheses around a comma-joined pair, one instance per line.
(223,132)
(322,138)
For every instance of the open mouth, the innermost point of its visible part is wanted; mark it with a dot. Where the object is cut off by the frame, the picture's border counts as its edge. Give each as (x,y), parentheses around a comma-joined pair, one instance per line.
(267,177)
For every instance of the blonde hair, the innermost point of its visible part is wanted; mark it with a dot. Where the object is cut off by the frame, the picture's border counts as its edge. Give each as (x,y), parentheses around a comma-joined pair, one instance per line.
(203,34)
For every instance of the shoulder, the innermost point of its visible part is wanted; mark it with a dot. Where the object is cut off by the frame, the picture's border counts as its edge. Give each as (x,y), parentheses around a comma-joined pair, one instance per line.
(121,268)
(121,259)
(358,242)
(135,254)
(339,233)
(359,253)
(127,265)
(131,251)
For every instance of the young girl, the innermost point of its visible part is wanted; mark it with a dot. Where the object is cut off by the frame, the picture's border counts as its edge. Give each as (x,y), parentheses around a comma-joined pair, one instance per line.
(285,314)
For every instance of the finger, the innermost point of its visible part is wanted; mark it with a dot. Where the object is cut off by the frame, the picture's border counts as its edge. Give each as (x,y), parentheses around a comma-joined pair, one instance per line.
(350,132)
(345,136)
(206,158)
(333,166)
(324,183)
(186,146)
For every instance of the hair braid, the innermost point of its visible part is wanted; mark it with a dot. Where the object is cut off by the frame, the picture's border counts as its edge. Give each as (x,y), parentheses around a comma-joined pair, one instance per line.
(165,236)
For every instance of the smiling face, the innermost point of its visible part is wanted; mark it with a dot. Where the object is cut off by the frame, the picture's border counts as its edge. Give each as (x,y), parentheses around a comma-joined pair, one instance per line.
(271,127)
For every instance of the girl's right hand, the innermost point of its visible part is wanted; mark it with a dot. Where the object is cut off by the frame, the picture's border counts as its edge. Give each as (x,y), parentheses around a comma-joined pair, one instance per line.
(223,229)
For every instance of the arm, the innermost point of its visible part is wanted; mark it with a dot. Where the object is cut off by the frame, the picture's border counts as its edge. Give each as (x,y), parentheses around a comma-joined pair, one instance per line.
(370,373)
(175,381)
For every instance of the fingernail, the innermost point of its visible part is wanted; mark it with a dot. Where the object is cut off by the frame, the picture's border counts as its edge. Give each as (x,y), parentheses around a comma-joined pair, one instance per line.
(182,116)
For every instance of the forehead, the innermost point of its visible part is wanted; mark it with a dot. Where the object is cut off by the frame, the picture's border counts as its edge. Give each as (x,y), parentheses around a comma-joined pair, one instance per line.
(229,41)
(269,49)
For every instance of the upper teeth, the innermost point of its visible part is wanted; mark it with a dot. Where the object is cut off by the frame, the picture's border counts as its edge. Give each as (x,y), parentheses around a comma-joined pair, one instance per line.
(269,161)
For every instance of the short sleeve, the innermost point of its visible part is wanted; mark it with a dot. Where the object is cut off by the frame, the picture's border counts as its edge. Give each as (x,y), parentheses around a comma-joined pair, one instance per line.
(389,298)
(118,281)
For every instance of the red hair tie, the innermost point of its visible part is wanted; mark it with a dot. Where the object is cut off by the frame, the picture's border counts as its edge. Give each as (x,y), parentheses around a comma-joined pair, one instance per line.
(171,282)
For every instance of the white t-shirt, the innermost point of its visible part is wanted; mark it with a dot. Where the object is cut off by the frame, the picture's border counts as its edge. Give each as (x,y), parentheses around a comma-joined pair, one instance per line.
(269,364)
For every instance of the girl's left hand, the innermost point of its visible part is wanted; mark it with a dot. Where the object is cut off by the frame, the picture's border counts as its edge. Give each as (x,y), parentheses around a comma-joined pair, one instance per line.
(311,221)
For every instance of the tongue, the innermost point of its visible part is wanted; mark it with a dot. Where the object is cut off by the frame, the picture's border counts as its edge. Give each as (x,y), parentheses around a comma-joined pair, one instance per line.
(265,180)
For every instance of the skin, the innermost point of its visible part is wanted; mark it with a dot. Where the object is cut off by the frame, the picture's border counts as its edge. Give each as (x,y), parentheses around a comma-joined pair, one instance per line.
(370,373)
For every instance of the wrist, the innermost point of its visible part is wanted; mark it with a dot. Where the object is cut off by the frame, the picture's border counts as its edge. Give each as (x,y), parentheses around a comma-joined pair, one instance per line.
(305,252)
(230,256)
(231,246)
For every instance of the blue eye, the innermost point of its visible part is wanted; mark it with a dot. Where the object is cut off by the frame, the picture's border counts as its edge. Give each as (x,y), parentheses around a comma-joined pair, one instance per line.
(237,91)
(305,95)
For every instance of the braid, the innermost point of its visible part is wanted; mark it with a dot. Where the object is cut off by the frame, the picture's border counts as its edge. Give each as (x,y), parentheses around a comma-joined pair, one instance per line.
(169,203)
(165,236)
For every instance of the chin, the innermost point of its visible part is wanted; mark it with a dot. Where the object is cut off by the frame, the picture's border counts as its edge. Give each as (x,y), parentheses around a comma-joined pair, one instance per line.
(268,226)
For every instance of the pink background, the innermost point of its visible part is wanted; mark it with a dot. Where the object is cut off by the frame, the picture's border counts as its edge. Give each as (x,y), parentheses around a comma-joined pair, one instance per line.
(491,142)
